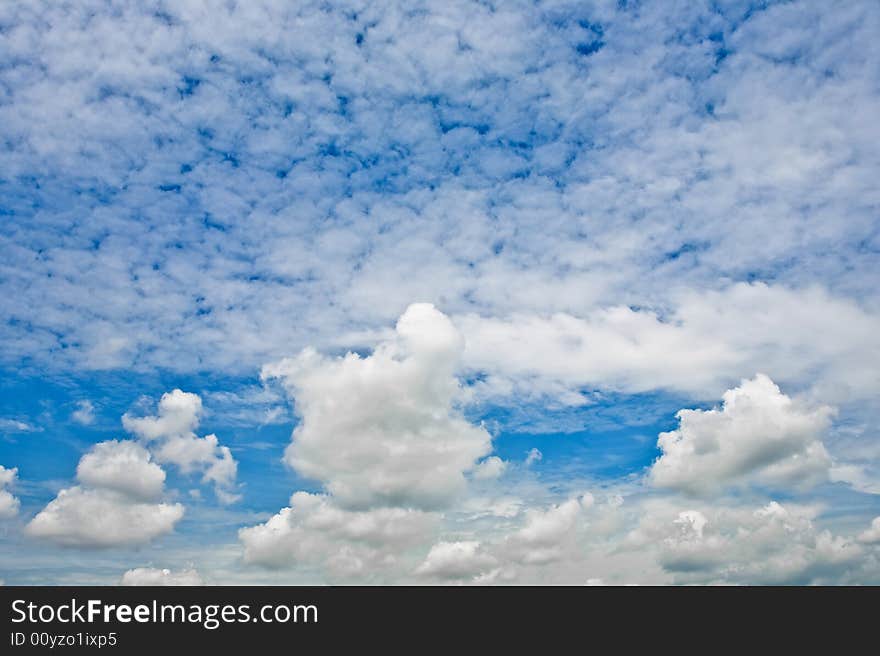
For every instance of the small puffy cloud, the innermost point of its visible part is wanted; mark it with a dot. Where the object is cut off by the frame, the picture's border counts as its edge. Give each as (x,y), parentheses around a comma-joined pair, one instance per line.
(115,503)
(153,576)
(124,467)
(313,530)
(759,435)
(98,518)
(383,430)
(533,456)
(872,534)
(490,468)
(171,438)
(178,416)
(84,413)
(9,504)
(456,560)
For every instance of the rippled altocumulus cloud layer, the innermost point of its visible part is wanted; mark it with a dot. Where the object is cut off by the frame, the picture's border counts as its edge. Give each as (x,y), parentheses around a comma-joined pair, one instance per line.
(207,186)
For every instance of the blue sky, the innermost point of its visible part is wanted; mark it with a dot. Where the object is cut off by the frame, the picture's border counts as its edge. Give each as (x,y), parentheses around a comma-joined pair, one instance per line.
(536,228)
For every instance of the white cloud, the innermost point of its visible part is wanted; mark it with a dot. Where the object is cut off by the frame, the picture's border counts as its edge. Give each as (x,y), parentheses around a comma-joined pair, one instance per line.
(350,543)
(490,468)
(153,576)
(383,429)
(856,476)
(551,542)
(589,202)
(654,540)
(115,503)
(651,165)
(178,416)
(547,534)
(100,518)
(9,504)
(770,545)
(171,437)
(871,535)
(707,339)
(123,466)
(16,426)
(84,413)
(534,455)
(456,560)
(8,476)
(248,406)
(383,433)
(759,435)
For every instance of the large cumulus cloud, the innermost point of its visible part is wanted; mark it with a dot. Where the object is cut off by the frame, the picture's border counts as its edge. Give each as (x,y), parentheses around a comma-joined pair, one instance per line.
(384,429)
(384,436)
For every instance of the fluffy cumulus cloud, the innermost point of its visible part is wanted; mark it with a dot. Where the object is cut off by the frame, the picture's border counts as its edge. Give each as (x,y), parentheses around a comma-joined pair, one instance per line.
(384,436)
(96,518)
(557,542)
(456,560)
(171,437)
(84,413)
(384,429)
(657,540)
(314,532)
(116,503)
(153,576)
(123,466)
(871,535)
(772,544)
(9,504)
(547,534)
(758,435)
